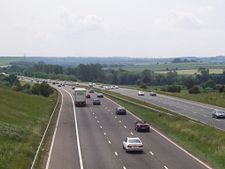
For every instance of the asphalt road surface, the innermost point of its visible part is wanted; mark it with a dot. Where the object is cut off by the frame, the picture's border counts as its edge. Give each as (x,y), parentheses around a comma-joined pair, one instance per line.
(91,138)
(197,111)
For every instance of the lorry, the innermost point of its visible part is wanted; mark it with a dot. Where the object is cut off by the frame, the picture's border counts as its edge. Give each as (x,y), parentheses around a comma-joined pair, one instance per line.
(80,96)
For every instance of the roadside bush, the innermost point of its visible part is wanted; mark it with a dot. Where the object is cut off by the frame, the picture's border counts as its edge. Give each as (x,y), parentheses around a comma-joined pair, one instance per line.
(163,89)
(143,86)
(194,90)
(220,88)
(173,89)
(42,89)
(17,87)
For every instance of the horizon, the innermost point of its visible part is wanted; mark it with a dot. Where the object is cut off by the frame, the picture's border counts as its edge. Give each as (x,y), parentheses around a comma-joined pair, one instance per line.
(131,57)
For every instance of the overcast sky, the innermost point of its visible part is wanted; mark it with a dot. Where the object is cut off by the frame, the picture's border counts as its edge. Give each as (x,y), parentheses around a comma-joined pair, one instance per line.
(141,28)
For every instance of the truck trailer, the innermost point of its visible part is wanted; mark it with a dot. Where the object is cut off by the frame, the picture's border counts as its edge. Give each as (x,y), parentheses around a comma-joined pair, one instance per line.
(80,96)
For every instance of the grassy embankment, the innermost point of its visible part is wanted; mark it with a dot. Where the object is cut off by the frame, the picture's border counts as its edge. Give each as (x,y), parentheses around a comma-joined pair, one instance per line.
(23,120)
(203,141)
(209,97)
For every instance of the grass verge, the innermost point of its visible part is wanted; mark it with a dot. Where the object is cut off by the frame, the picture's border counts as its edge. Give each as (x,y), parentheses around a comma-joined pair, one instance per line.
(207,143)
(23,120)
(42,157)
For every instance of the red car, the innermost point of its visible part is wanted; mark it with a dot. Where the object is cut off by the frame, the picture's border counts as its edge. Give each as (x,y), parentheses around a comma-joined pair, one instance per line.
(88,96)
(142,126)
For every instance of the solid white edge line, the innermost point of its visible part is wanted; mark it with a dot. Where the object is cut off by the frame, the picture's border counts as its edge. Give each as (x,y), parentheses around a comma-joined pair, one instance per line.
(169,140)
(54,135)
(77,132)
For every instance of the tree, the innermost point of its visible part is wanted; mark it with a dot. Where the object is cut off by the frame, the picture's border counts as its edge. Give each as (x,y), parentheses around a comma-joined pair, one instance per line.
(204,74)
(209,84)
(188,82)
(13,80)
(147,76)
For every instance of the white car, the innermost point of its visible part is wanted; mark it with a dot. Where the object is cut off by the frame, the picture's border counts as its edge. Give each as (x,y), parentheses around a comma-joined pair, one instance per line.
(140,93)
(116,87)
(132,144)
(106,87)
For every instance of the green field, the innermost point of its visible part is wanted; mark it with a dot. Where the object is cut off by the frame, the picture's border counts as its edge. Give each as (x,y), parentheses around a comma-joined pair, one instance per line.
(23,119)
(172,66)
(205,142)
(194,71)
(6,60)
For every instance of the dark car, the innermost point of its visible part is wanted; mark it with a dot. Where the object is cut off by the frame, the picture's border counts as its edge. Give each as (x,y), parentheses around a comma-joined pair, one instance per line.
(100,95)
(91,91)
(73,87)
(152,94)
(88,96)
(142,126)
(218,114)
(121,111)
(96,102)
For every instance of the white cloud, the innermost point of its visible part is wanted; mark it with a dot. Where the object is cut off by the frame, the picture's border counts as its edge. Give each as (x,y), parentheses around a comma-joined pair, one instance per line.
(113,27)
(177,20)
(185,20)
(76,26)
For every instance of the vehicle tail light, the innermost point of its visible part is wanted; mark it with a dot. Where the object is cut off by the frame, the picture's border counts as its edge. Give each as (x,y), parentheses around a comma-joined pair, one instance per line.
(129,146)
(141,146)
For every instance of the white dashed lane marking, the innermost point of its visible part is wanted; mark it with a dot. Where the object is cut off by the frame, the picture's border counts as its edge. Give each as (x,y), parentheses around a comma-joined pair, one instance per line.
(151,153)
(165,167)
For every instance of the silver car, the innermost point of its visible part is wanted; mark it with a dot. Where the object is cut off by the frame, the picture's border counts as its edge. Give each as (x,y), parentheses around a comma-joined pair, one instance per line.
(132,144)
(218,114)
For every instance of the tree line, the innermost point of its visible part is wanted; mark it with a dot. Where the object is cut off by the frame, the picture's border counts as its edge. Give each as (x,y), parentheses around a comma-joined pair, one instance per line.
(98,73)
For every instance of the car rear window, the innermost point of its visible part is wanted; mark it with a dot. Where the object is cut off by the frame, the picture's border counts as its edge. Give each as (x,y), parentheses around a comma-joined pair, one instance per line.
(134,141)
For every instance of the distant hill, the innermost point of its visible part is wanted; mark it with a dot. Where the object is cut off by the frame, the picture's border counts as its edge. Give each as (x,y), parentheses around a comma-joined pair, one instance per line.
(122,61)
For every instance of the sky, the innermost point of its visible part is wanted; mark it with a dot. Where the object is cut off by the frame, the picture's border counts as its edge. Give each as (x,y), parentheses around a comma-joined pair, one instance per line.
(136,28)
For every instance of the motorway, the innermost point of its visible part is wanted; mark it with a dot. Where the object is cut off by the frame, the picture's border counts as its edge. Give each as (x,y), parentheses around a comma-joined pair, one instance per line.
(91,138)
(196,111)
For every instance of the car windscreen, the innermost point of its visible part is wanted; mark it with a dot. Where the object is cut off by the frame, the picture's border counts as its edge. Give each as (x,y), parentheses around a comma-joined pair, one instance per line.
(220,112)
